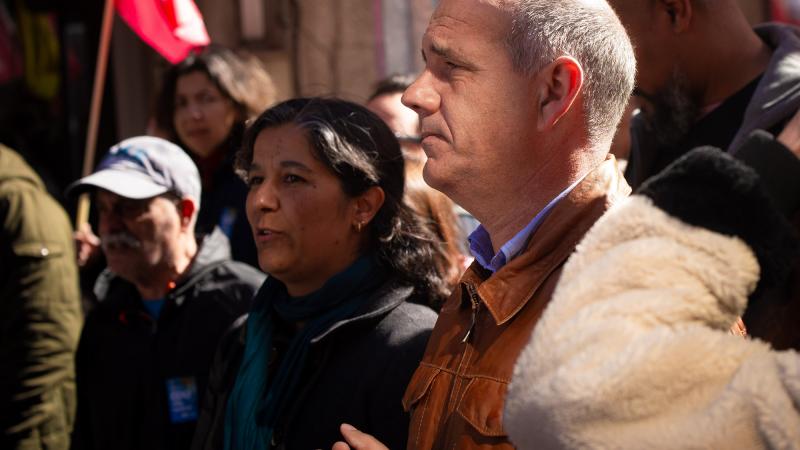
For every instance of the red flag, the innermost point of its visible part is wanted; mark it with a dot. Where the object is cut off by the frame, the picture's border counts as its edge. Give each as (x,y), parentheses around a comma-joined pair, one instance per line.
(172,27)
(785,11)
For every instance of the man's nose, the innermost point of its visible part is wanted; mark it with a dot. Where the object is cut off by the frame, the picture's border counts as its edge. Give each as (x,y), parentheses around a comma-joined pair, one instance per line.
(421,96)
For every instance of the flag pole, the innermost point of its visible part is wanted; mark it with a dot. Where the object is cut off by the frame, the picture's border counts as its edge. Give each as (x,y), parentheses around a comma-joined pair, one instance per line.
(82,215)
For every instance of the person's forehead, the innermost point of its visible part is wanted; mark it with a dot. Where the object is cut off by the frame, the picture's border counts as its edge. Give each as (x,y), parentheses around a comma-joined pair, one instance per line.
(194,80)
(277,144)
(103,195)
(386,98)
(455,21)
(397,115)
(107,197)
(387,104)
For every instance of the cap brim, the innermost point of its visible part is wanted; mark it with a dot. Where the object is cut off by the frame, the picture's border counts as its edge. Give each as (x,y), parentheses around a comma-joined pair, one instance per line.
(124,184)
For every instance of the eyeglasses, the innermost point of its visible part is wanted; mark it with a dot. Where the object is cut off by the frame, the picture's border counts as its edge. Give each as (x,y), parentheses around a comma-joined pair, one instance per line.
(408,139)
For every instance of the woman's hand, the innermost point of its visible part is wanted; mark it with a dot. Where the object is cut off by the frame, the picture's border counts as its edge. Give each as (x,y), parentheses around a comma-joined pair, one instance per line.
(357,440)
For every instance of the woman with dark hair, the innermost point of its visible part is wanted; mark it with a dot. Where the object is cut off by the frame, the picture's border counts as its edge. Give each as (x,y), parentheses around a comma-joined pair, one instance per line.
(339,326)
(203,105)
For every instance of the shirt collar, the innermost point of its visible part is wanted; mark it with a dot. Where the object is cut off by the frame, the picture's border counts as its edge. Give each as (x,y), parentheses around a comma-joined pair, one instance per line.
(480,243)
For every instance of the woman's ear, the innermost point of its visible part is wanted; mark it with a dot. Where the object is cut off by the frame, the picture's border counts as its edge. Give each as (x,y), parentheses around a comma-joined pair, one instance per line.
(367,205)
(186,209)
(559,84)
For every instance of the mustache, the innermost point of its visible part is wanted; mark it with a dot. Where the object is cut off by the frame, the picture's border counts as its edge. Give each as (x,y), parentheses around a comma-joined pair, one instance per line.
(119,239)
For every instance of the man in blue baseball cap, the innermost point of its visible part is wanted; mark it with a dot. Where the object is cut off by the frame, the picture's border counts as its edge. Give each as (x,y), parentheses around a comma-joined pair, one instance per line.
(164,301)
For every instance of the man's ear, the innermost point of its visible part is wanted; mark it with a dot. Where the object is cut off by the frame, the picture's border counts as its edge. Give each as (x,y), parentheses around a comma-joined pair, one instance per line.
(678,12)
(367,205)
(561,81)
(186,209)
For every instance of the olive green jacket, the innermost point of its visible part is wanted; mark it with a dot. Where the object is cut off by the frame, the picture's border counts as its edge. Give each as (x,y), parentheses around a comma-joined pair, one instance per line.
(40,313)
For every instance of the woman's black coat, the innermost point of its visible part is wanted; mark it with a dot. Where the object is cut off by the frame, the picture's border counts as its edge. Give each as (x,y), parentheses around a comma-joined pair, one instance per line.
(357,373)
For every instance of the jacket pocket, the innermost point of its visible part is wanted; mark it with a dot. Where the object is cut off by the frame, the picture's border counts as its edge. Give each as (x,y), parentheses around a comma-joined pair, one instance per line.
(482,406)
(419,385)
(424,406)
(38,249)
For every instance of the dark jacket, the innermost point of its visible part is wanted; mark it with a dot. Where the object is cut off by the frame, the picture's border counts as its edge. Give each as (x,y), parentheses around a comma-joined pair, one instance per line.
(40,312)
(126,359)
(773,317)
(358,371)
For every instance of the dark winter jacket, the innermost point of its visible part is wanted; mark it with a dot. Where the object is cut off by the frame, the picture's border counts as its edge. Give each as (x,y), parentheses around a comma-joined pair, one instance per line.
(358,371)
(774,317)
(140,380)
(40,312)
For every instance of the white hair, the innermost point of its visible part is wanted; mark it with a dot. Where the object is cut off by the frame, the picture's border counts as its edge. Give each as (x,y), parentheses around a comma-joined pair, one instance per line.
(590,32)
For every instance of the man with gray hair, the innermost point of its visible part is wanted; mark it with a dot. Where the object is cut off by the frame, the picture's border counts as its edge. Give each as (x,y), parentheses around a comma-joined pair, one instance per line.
(164,301)
(518,104)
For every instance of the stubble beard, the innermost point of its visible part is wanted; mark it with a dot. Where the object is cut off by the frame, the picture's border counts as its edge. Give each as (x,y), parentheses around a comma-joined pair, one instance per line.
(673,112)
(143,265)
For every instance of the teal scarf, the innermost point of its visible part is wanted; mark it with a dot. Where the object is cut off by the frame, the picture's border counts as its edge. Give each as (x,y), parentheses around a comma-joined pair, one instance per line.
(256,402)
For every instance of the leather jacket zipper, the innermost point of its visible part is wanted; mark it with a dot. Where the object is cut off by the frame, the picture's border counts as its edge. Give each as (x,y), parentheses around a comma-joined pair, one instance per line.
(475,304)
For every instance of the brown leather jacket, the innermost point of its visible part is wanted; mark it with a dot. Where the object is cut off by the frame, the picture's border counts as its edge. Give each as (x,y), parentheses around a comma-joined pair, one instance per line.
(456,396)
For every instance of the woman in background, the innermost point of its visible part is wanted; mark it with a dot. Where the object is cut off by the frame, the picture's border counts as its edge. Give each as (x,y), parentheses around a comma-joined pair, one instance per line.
(339,326)
(203,105)
(437,213)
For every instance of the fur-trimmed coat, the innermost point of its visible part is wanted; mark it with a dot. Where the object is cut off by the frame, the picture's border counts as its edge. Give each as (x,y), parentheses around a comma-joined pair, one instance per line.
(634,351)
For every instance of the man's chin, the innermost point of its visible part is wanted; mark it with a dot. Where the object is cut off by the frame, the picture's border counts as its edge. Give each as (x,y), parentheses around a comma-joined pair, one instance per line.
(123,271)
(120,258)
(119,252)
(671,112)
(133,271)
(437,175)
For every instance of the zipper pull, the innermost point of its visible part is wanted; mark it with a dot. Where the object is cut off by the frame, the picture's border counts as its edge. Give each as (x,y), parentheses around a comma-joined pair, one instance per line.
(475,304)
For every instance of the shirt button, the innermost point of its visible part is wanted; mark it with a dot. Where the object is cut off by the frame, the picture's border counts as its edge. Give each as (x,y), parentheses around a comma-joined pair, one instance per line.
(44,251)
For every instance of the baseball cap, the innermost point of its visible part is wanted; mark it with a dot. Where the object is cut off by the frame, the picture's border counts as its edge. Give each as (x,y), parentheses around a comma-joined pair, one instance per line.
(143,167)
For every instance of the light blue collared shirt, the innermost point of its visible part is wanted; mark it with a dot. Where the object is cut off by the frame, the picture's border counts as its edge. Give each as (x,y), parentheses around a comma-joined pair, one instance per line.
(480,243)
